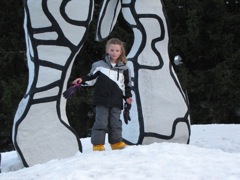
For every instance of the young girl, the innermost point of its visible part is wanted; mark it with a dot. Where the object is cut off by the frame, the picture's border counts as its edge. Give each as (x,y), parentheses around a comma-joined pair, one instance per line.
(113,84)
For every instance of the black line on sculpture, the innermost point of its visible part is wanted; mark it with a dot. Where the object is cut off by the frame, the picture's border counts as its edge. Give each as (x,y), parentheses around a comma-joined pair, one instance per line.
(136,69)
(100,20)
(18,122)
(175,122)
(67,19)
(137,66)
(34,43)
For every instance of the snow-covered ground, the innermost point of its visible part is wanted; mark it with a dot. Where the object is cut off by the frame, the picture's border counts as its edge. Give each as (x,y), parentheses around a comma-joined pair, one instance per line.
(213,153)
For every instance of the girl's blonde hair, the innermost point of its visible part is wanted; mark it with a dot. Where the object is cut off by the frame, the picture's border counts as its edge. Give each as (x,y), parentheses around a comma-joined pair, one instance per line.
(122,57)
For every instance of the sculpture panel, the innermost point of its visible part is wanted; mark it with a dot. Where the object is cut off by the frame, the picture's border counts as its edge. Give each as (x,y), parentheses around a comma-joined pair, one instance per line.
(55,31)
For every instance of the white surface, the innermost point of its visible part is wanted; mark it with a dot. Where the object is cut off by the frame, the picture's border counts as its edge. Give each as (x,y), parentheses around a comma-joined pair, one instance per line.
(73,33)
(47,138)
(161,101)
(37,128)
(108,15)
(213,153)
(54,54)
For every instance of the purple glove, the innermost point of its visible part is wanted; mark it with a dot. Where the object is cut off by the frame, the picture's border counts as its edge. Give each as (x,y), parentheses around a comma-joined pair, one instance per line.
(70,91)
(126,112)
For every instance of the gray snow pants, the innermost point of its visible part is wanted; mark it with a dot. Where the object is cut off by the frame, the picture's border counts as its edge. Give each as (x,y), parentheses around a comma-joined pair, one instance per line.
(107,120)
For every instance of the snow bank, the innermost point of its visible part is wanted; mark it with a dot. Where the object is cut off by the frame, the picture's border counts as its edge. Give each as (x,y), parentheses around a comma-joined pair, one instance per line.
(213,153)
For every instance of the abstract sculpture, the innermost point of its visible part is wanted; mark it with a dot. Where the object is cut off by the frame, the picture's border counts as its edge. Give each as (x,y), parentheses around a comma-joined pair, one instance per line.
(161,109)
(55,31)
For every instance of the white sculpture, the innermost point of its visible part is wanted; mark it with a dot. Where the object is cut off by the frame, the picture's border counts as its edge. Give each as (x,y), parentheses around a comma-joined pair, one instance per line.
(55,31)
(161,109)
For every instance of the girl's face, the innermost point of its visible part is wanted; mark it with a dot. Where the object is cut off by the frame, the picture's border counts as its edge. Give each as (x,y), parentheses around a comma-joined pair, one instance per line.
(114,51)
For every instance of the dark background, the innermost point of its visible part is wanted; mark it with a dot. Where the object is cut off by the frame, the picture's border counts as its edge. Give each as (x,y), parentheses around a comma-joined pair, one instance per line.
(206,34)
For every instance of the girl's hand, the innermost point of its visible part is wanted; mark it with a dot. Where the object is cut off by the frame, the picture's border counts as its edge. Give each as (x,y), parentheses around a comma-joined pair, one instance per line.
(129,100)
(77,81)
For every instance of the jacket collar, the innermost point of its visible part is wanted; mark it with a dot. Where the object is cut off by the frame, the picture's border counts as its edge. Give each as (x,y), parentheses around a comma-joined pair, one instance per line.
(119,65)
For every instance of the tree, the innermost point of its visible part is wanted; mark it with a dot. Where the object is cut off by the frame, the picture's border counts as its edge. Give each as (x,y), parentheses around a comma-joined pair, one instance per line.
(205,35)
(13,70)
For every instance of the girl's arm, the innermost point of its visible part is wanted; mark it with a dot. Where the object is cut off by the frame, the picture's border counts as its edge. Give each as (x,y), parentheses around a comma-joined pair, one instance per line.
(90,76)
(127,82)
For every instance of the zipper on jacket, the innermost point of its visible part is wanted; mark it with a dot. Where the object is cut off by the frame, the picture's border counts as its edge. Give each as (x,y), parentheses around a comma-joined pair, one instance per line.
(118,75)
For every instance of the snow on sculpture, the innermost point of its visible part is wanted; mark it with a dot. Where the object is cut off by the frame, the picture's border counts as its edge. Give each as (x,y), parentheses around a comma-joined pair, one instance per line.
(55,31)
(161,109)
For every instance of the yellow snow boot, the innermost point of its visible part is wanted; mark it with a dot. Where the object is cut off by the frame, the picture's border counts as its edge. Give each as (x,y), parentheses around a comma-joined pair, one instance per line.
(118,145)
(98,147)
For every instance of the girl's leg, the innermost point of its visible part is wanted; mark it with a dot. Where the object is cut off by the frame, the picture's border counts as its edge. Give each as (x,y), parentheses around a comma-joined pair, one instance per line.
(100,125)
(115,126)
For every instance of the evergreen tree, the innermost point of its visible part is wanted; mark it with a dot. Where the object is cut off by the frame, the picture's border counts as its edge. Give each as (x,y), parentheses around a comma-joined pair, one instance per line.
(13,70)
(208,47)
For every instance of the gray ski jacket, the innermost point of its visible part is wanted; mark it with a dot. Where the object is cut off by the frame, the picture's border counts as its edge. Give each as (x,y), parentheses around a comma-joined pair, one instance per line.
(112,84)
